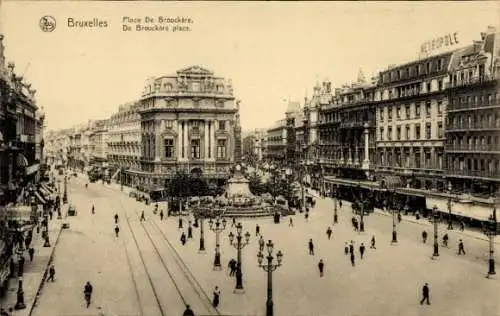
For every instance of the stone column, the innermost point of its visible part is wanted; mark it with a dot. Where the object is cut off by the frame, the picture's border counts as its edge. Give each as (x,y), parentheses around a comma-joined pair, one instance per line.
(212,141)
(158,140)
(186,140)
(366,133)
(205,140)
(179,140)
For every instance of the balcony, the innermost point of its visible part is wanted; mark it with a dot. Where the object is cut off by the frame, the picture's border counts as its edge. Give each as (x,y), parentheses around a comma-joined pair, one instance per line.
(354,124)
(465,106)
(493,174)
(473,148)
(476,126)
(470,82)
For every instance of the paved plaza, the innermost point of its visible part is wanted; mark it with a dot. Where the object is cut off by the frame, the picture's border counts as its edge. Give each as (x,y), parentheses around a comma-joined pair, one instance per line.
(387,281)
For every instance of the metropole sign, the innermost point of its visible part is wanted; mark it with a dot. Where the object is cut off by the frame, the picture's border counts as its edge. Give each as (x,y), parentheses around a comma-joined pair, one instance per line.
(439,43)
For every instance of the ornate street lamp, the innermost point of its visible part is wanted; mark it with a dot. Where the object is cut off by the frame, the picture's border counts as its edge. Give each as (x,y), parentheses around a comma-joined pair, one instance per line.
(239,245)
(491,231)
(335,202)
(201,215)
(65,195)
(217,227)
(362,210)
(450,222)
(391,205)
(20,296)
(270,267)
(435,216)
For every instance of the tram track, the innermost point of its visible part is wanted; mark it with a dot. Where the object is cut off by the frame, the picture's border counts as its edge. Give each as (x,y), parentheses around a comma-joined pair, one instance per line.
(187,287)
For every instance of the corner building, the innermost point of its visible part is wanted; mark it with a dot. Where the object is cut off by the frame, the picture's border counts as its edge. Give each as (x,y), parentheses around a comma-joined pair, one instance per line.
(473,118)
(189,122)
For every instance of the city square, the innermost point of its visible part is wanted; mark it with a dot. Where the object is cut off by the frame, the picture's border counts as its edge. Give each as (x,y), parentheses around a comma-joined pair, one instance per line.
(206,182)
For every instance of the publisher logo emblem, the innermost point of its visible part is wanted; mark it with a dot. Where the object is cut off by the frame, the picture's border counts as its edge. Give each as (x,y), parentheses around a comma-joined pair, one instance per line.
(47,23)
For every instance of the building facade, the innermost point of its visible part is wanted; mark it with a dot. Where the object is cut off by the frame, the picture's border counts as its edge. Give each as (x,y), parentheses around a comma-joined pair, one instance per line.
(276,144)
(411,109)
(347,132)
(473,118)
(99,143)
(189,122)
(124,142)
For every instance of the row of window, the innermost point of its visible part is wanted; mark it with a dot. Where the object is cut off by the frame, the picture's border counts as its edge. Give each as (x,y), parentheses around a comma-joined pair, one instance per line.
(404,132)
(485,99)
(413,71)
(476,120)
(194,146)
(149,126)
(411,111)
(474,140)
(405,159)
(472,164)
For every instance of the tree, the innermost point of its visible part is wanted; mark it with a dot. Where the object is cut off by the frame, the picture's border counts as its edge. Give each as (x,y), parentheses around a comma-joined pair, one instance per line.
(256,186)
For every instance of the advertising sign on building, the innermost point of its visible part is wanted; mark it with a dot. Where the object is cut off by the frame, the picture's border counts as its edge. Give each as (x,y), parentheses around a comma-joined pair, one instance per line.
(439,44)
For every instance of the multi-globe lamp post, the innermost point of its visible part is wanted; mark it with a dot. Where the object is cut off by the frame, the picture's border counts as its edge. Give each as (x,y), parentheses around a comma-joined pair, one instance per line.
(270,267)
(335,203)
(239,244)
(217,227)
(435,218)
(362,209)
(450,221)
(492,231)
(390,204)
(65,194)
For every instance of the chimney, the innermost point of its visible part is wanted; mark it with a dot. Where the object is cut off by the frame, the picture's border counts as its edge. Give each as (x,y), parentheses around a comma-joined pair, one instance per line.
(477,46)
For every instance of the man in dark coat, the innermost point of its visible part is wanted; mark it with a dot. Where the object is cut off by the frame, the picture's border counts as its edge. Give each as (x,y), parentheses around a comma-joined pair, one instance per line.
(425,294)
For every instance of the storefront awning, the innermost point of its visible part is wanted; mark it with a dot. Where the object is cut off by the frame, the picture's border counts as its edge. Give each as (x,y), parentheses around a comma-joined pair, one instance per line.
(19,212)
(22,161)
(40,198)
(32,169)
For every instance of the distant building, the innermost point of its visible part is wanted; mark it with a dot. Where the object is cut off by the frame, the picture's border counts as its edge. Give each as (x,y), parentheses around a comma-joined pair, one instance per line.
(124,142)
(276,144)
(98,143)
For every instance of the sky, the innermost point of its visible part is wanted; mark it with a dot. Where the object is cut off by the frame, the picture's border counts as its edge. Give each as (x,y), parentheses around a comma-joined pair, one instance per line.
(272,51)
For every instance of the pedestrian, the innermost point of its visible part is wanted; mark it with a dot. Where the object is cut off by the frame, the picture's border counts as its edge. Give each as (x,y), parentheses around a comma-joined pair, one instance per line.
(424,236)
(425,294)
(233,265)
(216,300)
(117,230)
(183,239)
(116,218)
(361,250)
(31,253)
(50,215)
(190,231)
(188,311)
(311,247)
(321,266)
(353,263)
(372,246)
(461,249)
(257,230)
(52,273)
(180,222)
(261,243)
(306,216)
(161,219)
(290,222)
(12,267)
(335,218)
(462,226)
(346,248)
(93,209)
(234,222)
(351,247)
(329,232)
(399,218)
(143,218)
(445,240)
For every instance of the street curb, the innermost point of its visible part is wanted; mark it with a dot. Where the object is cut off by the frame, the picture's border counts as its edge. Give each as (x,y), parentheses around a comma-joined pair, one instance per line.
(42,282)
